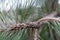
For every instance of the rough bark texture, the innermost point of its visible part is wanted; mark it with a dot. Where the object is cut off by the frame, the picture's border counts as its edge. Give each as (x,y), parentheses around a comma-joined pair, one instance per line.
(37,23)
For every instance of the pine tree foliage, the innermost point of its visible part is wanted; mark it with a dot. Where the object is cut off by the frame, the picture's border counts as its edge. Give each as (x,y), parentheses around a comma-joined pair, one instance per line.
(35,10)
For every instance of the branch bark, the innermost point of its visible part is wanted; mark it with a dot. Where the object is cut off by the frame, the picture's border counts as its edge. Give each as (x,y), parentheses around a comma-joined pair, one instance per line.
(37,23)
(36,34)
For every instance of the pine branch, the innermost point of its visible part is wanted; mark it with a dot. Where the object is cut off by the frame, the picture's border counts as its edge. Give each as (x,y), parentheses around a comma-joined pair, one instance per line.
(38,23)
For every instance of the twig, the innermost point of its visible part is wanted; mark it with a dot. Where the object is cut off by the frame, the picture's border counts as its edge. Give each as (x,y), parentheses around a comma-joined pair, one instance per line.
(38,23)
(36,34)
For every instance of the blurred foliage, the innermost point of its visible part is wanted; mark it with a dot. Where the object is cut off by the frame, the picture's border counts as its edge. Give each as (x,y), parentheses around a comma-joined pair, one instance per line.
(34,11)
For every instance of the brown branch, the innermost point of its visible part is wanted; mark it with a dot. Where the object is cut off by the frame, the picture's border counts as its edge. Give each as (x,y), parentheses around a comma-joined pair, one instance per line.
(38,23)
(36,33)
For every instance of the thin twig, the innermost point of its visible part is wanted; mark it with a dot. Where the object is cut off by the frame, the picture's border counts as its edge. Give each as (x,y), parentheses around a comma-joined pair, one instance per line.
(36,34)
